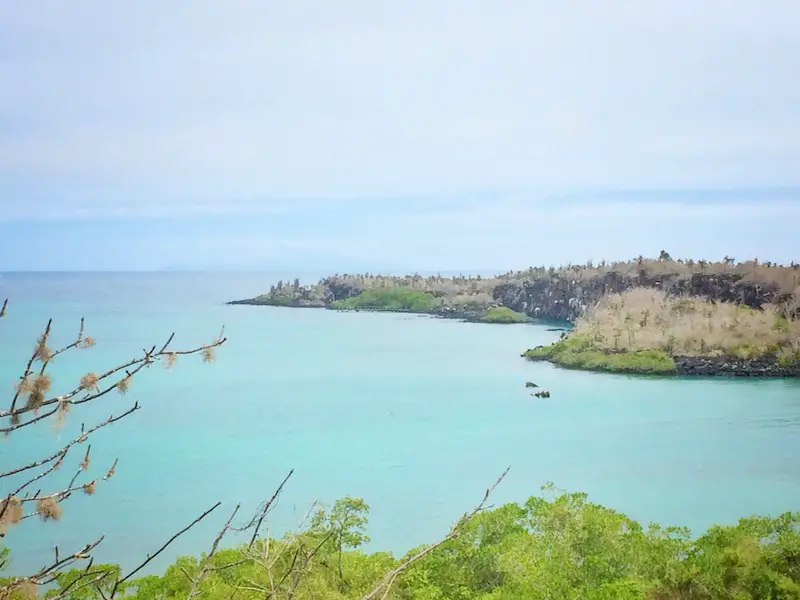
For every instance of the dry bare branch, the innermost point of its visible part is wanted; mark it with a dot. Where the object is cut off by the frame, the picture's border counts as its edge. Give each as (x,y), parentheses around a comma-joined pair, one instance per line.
(61,453)
(262,512)
(386,584)
(73,587)
(204,567)
(150,557)
(45,575)
(92,381)
(30,405)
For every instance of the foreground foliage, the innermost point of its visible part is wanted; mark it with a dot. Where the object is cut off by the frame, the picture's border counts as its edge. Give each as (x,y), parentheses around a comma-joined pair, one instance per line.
(558,547)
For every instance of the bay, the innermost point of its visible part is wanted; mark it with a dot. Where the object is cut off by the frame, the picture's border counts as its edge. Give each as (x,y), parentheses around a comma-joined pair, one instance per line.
(416,415)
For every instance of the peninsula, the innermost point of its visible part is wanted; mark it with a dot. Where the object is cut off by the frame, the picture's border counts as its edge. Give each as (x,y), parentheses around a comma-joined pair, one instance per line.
(647,315)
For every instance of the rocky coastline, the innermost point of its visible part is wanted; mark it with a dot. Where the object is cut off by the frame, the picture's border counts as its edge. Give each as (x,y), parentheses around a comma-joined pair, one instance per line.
(458,313)
(562,296)
(565,299)
(701,366)
(733,366)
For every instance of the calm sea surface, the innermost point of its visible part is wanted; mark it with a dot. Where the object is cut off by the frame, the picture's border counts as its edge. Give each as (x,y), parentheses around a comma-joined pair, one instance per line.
(416,415)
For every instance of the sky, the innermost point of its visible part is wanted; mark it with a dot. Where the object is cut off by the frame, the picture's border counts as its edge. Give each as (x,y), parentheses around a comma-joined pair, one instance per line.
(416,135)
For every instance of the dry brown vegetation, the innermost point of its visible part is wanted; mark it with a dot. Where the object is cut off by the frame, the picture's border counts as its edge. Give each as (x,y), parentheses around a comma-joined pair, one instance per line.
(465,290)
(648,319)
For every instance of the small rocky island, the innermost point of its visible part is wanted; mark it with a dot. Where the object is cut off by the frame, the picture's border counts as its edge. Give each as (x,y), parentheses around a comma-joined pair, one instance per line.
(659,316)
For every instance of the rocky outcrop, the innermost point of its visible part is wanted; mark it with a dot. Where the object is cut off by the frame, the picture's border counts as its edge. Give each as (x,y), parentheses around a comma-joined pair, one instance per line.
(565,299)
(551,294)
(471,315)
(765,366)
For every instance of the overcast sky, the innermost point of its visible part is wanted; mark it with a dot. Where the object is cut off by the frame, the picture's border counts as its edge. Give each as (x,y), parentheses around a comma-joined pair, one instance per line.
(431,134)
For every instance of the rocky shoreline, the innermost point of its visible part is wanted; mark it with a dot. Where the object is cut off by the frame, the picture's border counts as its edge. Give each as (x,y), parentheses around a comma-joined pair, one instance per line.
(463,314)
(732,366)
(561,296)
(704,366)
(565,299)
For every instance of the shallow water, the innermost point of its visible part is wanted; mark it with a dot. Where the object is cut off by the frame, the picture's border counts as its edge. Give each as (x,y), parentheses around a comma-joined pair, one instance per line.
(416,415)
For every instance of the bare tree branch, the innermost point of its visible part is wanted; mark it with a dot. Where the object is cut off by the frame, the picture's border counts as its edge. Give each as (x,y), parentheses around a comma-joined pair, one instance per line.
(387,582)
(34,384)
(60,454)
(149,357)
(204,569)
(164,547)
(40,577)
(41,343)
(261,514)
(72,587)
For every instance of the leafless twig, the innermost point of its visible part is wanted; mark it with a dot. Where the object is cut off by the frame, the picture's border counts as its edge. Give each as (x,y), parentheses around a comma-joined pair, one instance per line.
(386,584)
(150,557)
(33,385)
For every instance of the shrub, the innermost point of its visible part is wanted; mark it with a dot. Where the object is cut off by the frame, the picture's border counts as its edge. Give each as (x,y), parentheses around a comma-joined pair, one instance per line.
(389,299)
(503,314)
(580,352)
(649,319)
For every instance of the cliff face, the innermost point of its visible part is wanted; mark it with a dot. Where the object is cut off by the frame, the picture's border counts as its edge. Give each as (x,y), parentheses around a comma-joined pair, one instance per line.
(564,299)
(561,294)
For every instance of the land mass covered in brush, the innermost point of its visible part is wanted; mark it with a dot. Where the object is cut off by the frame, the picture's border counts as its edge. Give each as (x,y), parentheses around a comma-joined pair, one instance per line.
(645,315)
(647,331)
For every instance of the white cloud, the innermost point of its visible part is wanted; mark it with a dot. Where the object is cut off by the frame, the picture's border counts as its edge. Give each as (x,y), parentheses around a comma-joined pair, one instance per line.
(199,102)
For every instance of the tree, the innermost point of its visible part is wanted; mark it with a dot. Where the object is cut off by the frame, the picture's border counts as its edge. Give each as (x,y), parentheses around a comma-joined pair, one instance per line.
(664,256)
(345,525)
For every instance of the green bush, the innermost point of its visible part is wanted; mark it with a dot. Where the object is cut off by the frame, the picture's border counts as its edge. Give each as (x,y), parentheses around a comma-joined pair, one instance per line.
(503,314)
(578,352)
(395,299)
(557,545)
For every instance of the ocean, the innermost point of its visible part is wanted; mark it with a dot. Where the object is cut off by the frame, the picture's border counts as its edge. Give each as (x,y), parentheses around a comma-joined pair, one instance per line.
(416,415)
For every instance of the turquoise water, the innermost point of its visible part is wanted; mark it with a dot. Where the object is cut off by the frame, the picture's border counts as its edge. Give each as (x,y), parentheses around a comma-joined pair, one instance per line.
(416,415)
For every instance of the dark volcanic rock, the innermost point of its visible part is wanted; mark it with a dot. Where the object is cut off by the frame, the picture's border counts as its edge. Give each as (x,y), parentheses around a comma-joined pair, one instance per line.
(562,298)
(728,287)
(339,289)
(766,366)
(453,312)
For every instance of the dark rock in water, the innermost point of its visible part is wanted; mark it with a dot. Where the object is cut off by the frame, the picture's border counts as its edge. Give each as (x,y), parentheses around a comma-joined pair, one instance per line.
(530,384)
(542,394)
(765,366)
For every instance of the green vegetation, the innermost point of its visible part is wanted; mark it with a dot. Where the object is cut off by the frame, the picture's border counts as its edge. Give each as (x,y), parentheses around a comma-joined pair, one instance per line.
(642,330)
(503,314)
(553,547)
(578,352)
(393,299)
